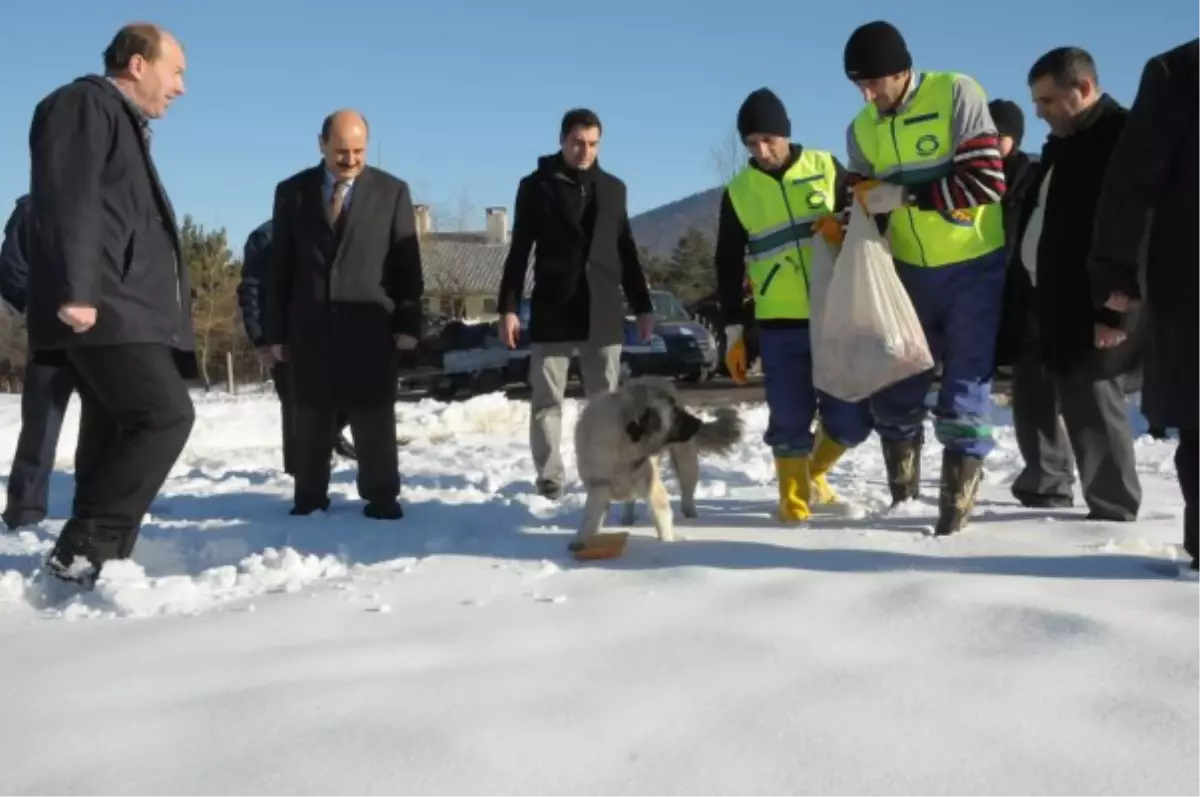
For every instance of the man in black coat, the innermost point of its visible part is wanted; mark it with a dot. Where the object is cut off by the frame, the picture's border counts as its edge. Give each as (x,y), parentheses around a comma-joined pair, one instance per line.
(110,289)
(1020,172)
(572,216)
(252,301)
(344,295)
(49,383)
(1059,371)
(1151,187)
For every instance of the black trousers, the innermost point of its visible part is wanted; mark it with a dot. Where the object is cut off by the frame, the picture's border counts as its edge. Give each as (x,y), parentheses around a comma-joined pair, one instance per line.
(374,430)
(1188,469)
(1063,421)
(135,418)
(281,378)
(44,400)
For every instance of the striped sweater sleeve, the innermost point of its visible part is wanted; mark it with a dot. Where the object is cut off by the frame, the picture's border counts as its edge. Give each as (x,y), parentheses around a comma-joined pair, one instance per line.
(977,176)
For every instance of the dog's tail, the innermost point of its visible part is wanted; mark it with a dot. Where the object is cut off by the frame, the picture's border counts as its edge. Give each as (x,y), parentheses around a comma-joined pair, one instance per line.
(719,436)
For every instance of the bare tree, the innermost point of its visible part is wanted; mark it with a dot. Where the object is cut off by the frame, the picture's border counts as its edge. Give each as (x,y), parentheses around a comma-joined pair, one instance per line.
(12,349)
(457,215)
(729,157)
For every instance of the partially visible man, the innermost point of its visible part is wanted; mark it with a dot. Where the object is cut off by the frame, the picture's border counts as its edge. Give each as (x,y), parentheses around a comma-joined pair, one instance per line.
(1059,371)
(769,213)
(110,289)
(1149,198)
(571,215)
(1020,171)
(252,301)
(49,383)
(344,300)
(925,155)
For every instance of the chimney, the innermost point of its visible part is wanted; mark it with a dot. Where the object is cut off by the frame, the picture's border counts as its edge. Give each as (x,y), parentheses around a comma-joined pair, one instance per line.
(424,225)
(497,225)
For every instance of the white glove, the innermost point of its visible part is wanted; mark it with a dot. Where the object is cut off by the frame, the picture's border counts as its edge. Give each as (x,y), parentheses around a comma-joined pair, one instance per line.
(879,197)
(733,333)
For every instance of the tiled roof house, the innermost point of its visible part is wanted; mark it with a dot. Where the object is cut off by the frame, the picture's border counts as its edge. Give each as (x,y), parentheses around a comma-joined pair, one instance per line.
(463,269)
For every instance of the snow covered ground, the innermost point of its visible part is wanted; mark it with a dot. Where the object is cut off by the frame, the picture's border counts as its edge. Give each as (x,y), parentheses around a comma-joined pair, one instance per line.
(460,650)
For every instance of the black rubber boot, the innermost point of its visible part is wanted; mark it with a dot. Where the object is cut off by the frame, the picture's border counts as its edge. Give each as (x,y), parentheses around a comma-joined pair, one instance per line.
(903,461)
(961,477)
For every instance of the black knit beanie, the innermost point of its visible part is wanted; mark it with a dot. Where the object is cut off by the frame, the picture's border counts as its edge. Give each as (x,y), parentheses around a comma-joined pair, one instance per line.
(876,50)
(763,113)
(1009,119)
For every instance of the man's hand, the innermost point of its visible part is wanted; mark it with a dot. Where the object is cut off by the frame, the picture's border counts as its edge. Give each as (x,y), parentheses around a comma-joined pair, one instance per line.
(279,352)
(877,197)
(735,354)
(1119,302)
(1107,337)
(405,342)
(79,317)
(510,329)
(645,327)
(266,356)
(829,228)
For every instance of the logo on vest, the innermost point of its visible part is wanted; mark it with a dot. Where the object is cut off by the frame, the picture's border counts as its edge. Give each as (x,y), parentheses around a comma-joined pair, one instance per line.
(927,144)
(816,200)
(959,218)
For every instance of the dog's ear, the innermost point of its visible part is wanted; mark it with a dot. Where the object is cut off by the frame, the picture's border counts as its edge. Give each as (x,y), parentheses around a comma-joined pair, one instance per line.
(646,424)
(684,426)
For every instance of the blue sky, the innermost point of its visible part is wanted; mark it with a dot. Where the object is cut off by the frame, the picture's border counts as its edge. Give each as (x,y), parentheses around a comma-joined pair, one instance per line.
(463,96)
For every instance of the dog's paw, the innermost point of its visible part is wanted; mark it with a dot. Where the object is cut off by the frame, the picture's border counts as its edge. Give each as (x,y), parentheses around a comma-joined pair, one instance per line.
(689,511)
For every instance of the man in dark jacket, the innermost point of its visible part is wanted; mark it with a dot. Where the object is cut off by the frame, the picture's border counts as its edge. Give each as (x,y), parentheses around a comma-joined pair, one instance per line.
(1151,187)
(1059,371)
(343,305)
(49,383)
(1020,172)
(586,271)
(111,289)
(252,300)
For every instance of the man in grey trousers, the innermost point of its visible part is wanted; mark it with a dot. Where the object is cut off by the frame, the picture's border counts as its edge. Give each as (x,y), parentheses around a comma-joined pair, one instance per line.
(571,217)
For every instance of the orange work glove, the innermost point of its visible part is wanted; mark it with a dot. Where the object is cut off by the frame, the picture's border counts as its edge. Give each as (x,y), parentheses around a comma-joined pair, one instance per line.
(829,228)
(878,197)
(735,354)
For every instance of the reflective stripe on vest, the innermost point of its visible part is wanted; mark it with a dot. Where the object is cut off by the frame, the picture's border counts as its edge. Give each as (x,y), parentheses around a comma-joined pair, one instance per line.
(915,147)
(778,216)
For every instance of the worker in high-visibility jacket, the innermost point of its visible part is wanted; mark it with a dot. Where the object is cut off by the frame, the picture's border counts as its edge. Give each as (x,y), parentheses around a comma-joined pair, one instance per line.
(769,214)
(924,158)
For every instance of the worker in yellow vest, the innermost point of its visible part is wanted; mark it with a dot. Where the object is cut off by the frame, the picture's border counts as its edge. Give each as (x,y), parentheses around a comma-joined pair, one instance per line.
(924,157)
(769,214)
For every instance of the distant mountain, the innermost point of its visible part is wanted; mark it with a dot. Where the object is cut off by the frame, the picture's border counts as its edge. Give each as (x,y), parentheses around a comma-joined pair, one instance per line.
(658,230)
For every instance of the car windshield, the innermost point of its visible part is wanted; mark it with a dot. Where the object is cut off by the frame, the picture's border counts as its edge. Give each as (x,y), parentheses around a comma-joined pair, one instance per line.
(667,307)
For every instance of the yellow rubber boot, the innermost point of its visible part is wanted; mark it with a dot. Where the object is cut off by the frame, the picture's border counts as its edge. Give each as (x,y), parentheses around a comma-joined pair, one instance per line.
(825,455)
(794,489)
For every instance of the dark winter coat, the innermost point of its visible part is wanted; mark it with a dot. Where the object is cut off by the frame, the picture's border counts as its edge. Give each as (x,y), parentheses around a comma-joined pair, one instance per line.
(586,263)
(1020,173)
(14,268)
(251,291)
(1061,301)
(337,296)
(103,230)
(1151,186)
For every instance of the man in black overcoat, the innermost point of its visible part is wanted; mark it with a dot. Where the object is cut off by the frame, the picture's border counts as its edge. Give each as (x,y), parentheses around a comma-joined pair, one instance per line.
(1149,201)
(343,307)
(110,290)
(48,386)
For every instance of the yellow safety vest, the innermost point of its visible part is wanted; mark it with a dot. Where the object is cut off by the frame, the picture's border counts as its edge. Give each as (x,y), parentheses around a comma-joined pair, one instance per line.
(778,216)
(915,147)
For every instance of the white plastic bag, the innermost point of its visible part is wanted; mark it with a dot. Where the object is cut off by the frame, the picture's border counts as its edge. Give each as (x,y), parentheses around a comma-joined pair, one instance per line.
(867,335)
(822,256)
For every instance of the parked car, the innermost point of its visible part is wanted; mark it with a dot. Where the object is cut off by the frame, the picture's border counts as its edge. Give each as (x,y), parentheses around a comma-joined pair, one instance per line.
(692,353)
